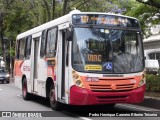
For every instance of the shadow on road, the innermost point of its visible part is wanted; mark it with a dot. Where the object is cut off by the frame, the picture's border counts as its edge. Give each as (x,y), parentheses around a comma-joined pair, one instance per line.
(82,110)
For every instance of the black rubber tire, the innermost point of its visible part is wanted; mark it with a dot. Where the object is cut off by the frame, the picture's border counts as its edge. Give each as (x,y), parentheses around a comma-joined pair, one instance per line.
(25,94)
(55,105)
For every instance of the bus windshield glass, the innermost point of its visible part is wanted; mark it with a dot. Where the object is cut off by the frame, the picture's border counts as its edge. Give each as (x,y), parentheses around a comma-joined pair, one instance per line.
(105,50)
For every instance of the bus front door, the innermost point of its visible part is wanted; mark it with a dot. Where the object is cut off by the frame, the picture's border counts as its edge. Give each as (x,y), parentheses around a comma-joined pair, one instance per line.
(62,69)
(34,70)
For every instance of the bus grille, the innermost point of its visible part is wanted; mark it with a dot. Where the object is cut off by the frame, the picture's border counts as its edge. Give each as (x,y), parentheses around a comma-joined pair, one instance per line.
(105,88)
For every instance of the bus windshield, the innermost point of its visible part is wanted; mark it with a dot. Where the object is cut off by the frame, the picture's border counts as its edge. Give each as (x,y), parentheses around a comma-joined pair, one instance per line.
(105,50)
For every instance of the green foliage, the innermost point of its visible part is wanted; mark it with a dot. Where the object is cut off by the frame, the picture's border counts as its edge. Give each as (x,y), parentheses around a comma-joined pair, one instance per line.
(102,5)
(153,83)
(21,15)
(153,3)
(16,19)
(145,15)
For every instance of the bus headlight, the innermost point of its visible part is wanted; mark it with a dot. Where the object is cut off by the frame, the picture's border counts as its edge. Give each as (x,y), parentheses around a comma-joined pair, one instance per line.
(79,83)
(77,80)
(142,81)
(75,76)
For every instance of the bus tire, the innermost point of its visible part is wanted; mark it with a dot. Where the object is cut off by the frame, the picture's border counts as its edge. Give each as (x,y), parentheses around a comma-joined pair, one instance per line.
(25,94)
(55,105)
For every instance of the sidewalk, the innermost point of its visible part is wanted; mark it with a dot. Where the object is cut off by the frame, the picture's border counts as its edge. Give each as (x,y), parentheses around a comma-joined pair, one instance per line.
(11,80)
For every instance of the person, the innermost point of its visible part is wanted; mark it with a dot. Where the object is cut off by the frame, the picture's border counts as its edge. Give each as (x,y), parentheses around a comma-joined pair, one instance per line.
(123,61)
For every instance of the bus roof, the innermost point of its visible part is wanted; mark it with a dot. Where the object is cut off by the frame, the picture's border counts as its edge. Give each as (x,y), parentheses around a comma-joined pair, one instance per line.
(50,24)
(61,20)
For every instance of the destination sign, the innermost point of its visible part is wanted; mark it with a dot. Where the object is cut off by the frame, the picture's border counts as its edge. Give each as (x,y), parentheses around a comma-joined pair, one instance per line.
(106,20)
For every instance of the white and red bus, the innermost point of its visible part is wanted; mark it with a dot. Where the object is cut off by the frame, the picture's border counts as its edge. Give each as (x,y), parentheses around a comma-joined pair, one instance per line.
(82,58)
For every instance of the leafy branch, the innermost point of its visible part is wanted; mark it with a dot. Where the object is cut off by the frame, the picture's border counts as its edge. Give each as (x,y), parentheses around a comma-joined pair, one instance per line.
(154,3)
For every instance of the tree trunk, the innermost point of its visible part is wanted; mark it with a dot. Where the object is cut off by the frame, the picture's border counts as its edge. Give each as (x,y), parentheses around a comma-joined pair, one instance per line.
(47,9)
(65,6)
(3,46)
(53,8)
(1,35)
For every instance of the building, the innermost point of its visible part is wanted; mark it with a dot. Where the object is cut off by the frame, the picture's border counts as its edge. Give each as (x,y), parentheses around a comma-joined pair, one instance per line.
(152,45)
(2,63)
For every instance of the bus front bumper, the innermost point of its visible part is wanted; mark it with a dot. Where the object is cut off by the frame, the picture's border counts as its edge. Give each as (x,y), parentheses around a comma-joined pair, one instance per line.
(81,96)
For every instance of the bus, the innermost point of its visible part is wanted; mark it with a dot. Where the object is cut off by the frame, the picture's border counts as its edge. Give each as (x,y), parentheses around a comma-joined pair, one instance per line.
(82,58)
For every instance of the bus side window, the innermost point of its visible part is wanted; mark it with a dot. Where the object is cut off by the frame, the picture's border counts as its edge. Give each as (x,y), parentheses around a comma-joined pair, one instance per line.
(51,42)
(43,44)
(22,48)
(28,47)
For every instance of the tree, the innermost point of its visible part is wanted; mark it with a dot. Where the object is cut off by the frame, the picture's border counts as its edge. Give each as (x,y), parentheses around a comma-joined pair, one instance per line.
(13,21)
(64,6)
(153,3)
(148,14)
(2,14)
(21,15)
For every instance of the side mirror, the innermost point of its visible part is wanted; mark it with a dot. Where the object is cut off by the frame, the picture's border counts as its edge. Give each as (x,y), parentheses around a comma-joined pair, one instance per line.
(69,34)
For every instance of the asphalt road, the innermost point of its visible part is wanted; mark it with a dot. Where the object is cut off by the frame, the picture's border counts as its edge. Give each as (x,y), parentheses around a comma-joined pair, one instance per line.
(11,101)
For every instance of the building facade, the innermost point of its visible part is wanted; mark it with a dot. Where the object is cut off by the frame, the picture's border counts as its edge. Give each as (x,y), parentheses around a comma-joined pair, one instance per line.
(152,47)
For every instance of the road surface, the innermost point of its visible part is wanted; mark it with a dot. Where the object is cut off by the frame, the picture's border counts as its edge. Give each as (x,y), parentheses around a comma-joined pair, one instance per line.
(11,101)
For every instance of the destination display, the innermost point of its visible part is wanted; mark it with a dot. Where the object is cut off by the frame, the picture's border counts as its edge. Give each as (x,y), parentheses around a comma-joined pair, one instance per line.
(107,20)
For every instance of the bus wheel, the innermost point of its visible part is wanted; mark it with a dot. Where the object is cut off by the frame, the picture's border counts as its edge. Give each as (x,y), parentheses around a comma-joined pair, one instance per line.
(55,105)
(25,94)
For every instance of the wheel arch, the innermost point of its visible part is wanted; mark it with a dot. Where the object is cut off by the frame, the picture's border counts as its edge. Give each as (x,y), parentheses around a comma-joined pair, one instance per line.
(24,76)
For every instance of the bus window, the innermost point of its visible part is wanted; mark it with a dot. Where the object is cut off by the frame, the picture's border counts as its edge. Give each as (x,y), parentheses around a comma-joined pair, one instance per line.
(51,42)
(102,48)
(43,44)
(28,47)
(21,48)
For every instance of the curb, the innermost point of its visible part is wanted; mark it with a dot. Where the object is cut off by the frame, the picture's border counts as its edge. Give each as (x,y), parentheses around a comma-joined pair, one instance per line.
(150,97)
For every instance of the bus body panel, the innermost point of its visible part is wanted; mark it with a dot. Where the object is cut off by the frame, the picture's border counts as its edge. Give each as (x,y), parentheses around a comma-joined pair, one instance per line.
(80,96)
(94,88)
(108,89)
